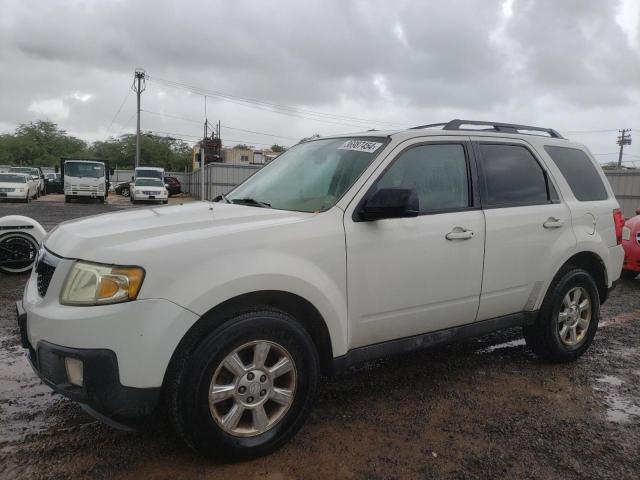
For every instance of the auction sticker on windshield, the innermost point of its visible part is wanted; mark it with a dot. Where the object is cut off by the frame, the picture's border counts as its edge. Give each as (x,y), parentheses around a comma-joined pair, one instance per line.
(360,146)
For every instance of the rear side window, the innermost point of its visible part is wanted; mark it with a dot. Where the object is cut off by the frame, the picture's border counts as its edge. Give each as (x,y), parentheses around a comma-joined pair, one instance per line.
(512,176)
(579,172)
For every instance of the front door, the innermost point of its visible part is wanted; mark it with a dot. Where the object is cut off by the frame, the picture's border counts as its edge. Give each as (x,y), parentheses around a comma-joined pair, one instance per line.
(408,276)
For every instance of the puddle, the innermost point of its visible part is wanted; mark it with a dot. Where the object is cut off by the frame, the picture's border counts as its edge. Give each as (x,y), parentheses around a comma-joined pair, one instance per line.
(620,407)
(513,343)
(24,399)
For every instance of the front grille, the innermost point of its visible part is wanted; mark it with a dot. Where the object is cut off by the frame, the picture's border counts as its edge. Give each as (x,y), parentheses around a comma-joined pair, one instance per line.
(45,272)
(7,190)
(150,193)
(84,188)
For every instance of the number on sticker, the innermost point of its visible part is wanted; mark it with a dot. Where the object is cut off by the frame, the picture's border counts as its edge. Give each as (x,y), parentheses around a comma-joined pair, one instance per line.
(360,146)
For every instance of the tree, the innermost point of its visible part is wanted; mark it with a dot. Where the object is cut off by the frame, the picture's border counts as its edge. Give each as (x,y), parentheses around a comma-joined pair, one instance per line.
(277,148)
(242,146)
(42,143)
(39,143)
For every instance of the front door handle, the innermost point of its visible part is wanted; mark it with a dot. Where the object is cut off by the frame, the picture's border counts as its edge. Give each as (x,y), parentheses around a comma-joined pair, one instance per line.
(553,222)
(459,233)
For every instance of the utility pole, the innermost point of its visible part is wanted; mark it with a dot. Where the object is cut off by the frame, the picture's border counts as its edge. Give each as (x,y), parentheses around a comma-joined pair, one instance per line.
(202,158)
(623,139)
(139,86)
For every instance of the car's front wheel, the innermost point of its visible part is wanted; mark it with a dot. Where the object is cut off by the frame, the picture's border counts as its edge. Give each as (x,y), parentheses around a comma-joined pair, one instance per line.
(125,192)
(247,387)
(568,319)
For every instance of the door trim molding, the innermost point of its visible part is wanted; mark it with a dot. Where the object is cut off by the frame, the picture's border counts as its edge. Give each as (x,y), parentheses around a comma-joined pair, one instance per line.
(417,342)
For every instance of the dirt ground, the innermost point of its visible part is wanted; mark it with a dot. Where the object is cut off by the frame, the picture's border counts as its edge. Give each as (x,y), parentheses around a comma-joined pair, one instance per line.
(484,408)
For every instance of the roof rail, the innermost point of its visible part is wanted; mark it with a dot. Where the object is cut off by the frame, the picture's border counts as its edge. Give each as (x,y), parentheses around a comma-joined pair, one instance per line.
(494,127)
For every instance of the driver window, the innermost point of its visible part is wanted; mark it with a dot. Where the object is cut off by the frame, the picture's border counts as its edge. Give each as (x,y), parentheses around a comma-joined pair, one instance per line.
(437,173)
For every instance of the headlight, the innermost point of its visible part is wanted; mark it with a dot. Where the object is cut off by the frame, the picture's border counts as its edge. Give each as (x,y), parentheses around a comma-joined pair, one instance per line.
(96,284)
(21,190)
(138,191)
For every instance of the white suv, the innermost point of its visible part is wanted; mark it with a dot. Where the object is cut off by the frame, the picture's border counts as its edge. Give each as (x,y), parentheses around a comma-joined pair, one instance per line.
(343,249)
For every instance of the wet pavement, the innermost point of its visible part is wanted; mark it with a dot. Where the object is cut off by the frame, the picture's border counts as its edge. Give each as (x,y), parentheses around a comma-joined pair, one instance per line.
(483,408)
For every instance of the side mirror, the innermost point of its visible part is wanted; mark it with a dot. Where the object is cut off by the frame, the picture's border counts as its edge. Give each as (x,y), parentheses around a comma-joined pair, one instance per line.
(390,203)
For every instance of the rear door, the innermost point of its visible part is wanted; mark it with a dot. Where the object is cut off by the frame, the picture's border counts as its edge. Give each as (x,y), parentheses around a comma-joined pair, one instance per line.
(528,226)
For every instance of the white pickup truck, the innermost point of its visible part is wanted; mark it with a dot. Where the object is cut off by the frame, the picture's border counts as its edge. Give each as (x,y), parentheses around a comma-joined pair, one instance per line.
(341,250)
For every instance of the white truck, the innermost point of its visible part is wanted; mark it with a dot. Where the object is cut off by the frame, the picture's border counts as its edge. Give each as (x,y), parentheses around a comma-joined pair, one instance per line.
(84,179)
(343,249)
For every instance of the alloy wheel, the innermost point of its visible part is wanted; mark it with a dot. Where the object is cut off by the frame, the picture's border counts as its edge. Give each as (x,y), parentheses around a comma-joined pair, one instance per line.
(253,388)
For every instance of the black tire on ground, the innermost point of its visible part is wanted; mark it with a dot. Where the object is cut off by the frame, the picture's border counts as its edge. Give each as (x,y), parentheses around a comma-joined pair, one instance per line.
(101,199)
(628,274)
(165,202)
(27,199)
(67,199)
(543,337)
(125,192)
(191,374)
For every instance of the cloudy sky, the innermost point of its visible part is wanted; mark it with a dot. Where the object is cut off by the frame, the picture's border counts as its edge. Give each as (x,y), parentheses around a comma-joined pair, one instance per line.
(291,68)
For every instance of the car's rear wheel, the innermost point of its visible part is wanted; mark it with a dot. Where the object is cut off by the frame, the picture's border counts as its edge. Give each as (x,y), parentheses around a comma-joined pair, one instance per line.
(247,387)
(125,192)
(568,319)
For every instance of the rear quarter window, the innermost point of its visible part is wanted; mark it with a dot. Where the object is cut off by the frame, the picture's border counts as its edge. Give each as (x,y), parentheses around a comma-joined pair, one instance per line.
(579,172)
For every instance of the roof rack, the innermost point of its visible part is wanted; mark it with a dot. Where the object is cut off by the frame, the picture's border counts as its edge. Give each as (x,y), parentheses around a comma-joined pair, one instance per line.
(494,127)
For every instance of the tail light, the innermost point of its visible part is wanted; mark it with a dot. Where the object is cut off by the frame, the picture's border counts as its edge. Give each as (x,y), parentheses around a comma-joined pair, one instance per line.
(618,221)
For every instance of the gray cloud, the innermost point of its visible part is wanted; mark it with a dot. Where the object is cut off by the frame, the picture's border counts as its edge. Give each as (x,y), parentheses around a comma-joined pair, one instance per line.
(565,64)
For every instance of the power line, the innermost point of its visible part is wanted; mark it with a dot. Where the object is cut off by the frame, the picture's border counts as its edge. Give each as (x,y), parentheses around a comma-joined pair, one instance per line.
(223,125)
(190,138)
(280,108)
(126,96)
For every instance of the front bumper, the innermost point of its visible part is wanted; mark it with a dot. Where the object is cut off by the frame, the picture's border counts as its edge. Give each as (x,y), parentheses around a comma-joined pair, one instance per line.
(139,197)
(101,389)
(14,195)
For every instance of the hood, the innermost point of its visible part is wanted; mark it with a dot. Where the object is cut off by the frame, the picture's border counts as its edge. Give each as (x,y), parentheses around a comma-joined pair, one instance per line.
(119,237)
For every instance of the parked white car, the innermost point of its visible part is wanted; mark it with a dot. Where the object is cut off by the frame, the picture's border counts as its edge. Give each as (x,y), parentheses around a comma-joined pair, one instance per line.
(148,190)
(17,186)
(341,250)
(36,176)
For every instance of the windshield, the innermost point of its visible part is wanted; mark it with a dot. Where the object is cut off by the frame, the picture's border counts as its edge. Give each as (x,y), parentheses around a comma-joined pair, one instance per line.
(9,178)
(53,176)
(149,182)
(149,173)
(88,169)
(309,177)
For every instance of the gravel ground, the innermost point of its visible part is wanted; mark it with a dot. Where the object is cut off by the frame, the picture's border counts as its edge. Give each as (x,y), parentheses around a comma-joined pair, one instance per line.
(484,408)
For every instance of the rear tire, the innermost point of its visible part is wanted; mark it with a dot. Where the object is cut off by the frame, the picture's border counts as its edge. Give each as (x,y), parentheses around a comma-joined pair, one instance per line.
(67,199)
(628,274)
(255,416)
(565,326)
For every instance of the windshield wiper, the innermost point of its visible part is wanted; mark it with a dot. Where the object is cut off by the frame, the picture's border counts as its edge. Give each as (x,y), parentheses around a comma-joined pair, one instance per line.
(251,201)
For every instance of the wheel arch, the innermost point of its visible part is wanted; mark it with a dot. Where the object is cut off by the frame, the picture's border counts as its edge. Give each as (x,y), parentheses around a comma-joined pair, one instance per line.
(296,306)
(592,263)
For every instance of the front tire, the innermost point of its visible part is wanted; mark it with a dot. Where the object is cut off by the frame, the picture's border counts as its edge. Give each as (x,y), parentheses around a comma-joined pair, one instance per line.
(247,387)
(568,319)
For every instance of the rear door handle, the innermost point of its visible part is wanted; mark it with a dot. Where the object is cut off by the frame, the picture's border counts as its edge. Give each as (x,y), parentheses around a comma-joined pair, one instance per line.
(553,222)
(459,233)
